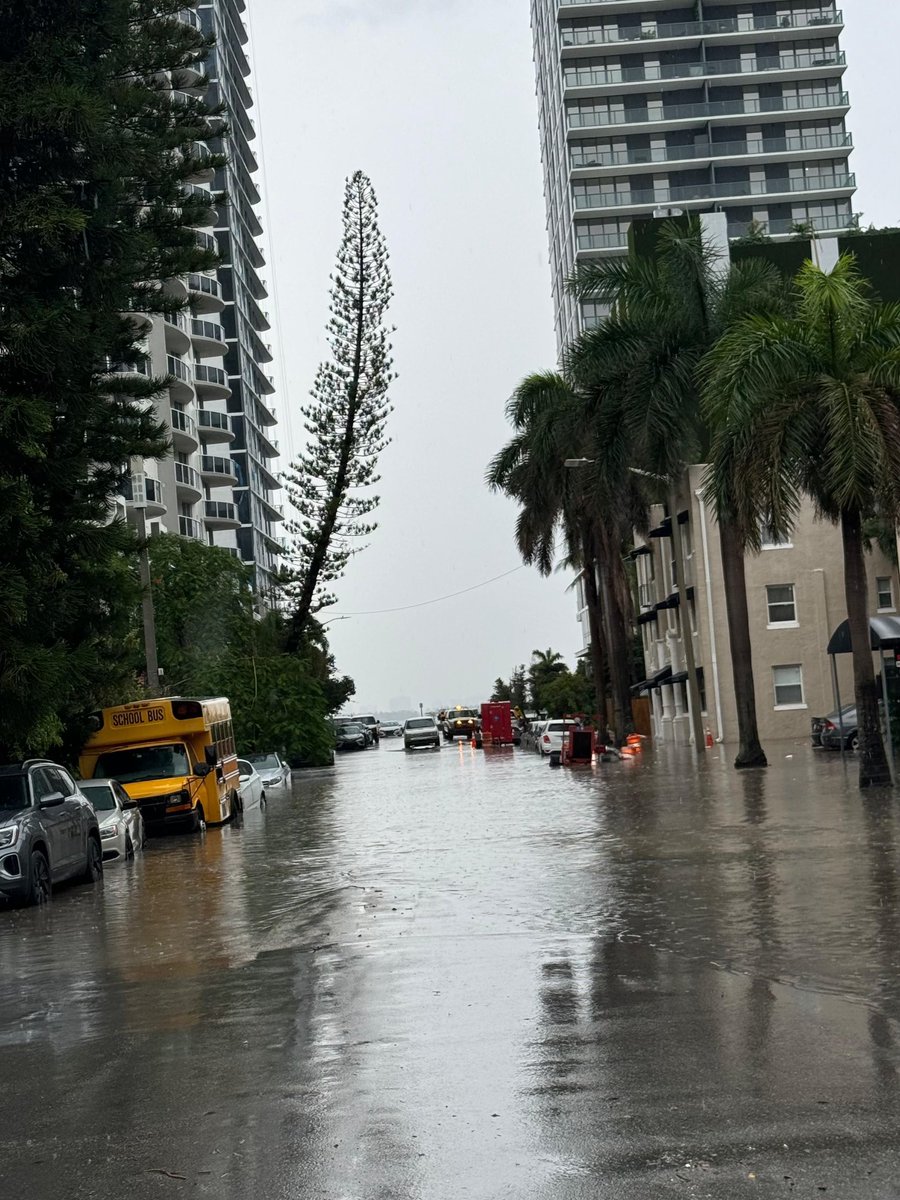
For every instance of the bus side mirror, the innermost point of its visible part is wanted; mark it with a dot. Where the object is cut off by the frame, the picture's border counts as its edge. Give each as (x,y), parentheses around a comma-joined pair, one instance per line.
(211,755)
(202,770)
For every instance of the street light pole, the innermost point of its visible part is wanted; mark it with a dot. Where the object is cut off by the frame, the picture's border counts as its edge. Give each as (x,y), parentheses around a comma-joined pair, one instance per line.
(149,614)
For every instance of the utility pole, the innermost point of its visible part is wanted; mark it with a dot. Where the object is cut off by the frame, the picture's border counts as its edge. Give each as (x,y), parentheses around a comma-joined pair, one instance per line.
(147,605)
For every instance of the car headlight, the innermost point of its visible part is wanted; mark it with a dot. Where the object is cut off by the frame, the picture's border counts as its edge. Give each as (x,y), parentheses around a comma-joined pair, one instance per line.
(111,831)
(8,837)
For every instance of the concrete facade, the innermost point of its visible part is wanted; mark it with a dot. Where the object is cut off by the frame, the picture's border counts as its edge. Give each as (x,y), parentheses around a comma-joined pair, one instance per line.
(649,106)
(795,594)
(219,485)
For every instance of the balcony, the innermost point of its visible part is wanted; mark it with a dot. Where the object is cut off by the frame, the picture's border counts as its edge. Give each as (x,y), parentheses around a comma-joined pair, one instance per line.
(187,482)
(588,156)
(202,196)
(206,241)
(221,514)
(215,426)
(178,338)
(184,431)
(727,111)
(834,223)
(209,339)
(800,64)
(205,293)
(180,379)
(600,241)
(200,159)
(772,189)
(674,35)
(136,370)
(217,471)
(190,527)
(211,382)
(143,491)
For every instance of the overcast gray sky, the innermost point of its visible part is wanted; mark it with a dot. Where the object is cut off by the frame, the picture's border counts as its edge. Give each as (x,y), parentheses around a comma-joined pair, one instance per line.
(434,99)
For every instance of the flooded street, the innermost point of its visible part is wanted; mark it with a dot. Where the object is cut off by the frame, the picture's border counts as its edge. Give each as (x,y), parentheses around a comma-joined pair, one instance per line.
(464,974)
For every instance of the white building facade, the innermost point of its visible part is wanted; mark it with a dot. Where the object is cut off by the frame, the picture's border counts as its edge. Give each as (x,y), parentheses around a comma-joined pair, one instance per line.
(647,106)
(219,485)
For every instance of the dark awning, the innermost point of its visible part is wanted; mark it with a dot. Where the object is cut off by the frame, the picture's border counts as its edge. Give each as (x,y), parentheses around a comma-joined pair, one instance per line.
(639,550)
(654,681)
(646,617)
(884,634)
(664,529)
(681,677)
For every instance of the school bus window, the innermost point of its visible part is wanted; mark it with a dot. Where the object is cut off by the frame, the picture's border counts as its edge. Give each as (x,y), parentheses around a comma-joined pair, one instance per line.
(140,763)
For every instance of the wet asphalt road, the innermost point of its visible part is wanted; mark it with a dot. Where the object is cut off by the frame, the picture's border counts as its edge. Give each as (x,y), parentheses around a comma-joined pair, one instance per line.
(451,975)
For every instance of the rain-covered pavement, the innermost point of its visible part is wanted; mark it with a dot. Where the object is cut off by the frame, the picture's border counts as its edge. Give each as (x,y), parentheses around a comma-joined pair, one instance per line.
(458,974)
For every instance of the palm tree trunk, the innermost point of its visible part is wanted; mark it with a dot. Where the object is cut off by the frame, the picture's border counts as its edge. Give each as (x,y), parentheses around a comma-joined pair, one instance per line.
(750,752)
(598,641)
(873,765)
(617,635)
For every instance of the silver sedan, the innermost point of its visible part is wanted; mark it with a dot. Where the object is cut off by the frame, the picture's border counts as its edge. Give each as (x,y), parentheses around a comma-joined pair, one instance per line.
(421,731)
(120,820)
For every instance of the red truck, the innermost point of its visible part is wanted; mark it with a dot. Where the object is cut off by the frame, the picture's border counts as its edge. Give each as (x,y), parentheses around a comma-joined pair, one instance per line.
(496,726)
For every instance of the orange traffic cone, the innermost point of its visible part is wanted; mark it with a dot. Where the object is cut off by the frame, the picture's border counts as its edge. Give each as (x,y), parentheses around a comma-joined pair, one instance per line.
(709,738)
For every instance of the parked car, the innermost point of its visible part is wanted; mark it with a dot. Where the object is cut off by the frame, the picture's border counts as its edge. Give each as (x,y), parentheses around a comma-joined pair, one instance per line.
(121,823)
(421,731)
(273,770)
(48,831)
(371,723)
(349,735)
(830,732)
(252,790)
(460,722)
(391,729)
(552,734)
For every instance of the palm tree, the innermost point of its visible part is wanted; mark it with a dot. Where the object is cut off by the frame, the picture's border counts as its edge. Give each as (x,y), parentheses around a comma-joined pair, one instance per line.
(809,403)
(641,372)
(547,417)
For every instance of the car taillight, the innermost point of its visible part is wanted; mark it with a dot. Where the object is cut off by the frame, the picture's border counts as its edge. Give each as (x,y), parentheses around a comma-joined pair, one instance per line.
(546,737)
(828,725)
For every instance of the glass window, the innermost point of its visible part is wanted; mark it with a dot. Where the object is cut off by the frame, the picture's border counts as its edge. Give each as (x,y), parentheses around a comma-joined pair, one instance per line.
(100,796)
(143,763)
(788,686)
(771,540)
(885,588)
(780,600)
(61,778)
(42,784)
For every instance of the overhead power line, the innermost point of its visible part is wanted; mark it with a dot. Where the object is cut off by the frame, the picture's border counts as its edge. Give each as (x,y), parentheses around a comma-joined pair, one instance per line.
(372,612)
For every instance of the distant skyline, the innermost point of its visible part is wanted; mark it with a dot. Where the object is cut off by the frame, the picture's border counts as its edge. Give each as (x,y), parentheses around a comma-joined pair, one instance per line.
(435,100)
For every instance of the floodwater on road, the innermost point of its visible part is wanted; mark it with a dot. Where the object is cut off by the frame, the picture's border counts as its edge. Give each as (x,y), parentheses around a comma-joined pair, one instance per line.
(463,974)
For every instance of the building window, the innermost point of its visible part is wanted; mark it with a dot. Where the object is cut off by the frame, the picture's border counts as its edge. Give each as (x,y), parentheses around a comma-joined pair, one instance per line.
(781,606)
(769,540)
(788,687)
(885,589)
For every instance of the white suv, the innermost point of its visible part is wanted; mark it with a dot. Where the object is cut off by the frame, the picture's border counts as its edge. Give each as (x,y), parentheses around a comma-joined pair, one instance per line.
(371,723)
(551,735)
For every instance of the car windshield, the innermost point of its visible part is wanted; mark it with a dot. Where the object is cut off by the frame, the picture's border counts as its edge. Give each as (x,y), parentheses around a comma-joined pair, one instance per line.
(100,796)
(420,723)
(463,712)
(13,795)
(270,761)
(365,720)
(141,763)
(559,726)
(349,727)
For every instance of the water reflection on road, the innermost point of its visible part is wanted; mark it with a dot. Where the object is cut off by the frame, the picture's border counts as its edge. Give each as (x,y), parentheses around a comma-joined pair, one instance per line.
(464,974)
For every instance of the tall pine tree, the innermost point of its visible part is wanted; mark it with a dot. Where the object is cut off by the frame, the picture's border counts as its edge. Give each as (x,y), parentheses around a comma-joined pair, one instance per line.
(96,142)
(329,483)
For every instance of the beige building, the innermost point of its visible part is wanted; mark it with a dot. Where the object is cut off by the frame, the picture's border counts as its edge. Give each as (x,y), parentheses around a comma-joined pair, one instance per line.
(795,593)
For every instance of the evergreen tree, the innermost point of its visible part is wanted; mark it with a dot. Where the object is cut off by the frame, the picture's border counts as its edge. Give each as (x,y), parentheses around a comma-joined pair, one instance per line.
(95,149)
(329,483)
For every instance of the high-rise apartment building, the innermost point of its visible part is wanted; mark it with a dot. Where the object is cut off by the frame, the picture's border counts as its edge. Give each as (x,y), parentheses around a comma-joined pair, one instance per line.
(218,486)
(735,106)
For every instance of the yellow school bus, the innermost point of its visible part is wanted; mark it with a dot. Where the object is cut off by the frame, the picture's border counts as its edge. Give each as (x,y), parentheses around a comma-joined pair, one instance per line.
(175,756)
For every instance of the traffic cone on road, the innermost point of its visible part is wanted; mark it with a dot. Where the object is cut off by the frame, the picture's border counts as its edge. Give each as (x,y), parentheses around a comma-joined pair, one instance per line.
(709,738)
